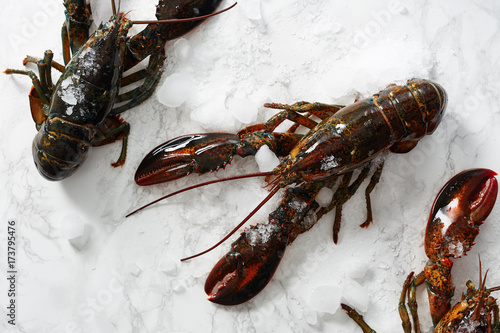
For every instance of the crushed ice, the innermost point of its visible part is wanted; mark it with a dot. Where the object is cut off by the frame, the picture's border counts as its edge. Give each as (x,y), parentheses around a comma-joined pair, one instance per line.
(261,233)
(328,163)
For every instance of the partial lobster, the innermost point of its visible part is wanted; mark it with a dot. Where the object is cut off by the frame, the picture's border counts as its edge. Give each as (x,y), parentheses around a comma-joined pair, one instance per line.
(459,209)
(79,111)
(347,140)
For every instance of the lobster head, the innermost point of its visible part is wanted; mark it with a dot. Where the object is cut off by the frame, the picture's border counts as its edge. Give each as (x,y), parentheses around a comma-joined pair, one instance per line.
(458,210)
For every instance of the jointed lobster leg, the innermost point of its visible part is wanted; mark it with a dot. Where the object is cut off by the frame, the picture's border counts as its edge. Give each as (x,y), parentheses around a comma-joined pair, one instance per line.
(152,76)
(358,319)
(292,113)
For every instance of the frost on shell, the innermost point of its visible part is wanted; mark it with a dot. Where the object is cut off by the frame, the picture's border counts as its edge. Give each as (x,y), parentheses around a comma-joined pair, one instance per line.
(339,128)
(469,326)
(456,248)
(328,163)
(69,92)
(88,60)
(261,233)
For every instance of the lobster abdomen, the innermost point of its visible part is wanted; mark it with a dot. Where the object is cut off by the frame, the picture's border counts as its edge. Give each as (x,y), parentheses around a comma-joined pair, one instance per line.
(395,119)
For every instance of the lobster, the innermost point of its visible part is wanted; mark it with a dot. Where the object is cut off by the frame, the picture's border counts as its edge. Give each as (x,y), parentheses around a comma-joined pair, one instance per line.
(80,110)
(459,209)
(347,140)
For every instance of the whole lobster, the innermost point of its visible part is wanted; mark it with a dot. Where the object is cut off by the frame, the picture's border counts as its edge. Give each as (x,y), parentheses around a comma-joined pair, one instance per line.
(459,209)
(348,139)
(79,110)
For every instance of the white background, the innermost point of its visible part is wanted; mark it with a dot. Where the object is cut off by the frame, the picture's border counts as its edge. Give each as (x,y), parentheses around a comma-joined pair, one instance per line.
(127,276)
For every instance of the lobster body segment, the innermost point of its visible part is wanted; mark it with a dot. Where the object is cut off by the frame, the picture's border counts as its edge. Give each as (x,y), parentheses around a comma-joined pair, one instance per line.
(345,140)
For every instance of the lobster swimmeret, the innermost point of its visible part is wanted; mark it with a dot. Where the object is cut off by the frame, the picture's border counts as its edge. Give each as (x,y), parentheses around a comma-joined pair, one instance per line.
(460,208)
(347,140)
(79,110)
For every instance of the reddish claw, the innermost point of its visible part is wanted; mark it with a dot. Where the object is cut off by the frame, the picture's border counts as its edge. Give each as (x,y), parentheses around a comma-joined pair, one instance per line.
(459,209)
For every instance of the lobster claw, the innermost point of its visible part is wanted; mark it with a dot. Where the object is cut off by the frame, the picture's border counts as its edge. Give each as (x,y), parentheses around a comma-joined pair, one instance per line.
(245,270)
(459,209)
(181,156)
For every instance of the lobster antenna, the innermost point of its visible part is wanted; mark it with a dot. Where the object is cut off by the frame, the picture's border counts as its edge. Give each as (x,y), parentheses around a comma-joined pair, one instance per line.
(200,185)
(252,213)
(185,19)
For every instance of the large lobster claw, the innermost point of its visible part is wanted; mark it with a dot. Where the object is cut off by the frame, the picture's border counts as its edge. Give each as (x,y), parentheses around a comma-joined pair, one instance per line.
(183,155)
(245,270)
(459,209)
(203,153)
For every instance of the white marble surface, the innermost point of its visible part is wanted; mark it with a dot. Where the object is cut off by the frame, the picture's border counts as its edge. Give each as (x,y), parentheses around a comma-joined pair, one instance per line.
(127,276)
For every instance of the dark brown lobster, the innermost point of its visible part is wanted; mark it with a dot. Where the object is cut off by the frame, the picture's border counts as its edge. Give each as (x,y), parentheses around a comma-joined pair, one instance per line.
(459,209)
(347,141)
(79,111)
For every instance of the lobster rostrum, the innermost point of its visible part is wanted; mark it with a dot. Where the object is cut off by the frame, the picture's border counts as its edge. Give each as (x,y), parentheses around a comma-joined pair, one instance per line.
(459,209)
(347,141)
(80,110)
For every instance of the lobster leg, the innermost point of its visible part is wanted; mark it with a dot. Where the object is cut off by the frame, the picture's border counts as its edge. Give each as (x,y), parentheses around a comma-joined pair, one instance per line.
(357,318)
(373,182)
(152,75)
(320,110)
(345,191)
(40,94)
(113,129)
(403,312)
(292,113)
(412,299)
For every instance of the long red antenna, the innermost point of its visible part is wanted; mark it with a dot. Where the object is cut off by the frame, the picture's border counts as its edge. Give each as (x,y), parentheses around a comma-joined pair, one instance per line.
(186,19)
(259,174)
(252,213)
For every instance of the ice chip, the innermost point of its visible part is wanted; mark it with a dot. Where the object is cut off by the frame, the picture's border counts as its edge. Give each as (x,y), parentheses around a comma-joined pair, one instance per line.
(252,10)
(266,159)
(73,228)
(175,90)
(243,109)
(355,295)
(183,49)
(324,197)
(326,299)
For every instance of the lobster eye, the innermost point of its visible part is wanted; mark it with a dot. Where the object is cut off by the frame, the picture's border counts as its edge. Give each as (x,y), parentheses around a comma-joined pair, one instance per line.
(471,303)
